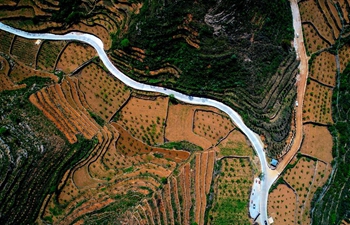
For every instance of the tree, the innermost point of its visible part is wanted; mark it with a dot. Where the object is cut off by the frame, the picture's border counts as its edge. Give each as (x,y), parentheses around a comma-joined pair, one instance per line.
(125,43)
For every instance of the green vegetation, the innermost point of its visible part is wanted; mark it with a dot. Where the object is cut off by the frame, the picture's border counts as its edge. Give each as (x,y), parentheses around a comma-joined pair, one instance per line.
(97,118)
(232,194)
(182,145)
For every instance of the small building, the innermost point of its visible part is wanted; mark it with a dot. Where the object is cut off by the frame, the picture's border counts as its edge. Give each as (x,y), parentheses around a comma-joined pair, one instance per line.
(296,103)
(274,162)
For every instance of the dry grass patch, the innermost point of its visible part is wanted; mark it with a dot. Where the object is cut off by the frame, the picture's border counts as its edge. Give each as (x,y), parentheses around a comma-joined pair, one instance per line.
(323,69)
(318,142)
(282,205)
(317,103)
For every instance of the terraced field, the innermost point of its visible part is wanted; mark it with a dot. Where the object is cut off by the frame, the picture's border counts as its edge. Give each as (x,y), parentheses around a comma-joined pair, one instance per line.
(187,51)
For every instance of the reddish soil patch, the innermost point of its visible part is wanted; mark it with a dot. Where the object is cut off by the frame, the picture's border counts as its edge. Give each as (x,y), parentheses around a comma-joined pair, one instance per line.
(74,55)
(104,94)
(235,144)
(212,126)
(309,12)
(317,103)
(145,118)
(323,69)
(25,50)
(313,41)
(318,142)
(179,125)
(282,205)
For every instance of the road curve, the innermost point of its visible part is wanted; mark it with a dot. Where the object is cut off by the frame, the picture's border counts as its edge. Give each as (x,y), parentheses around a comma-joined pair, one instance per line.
(96,43)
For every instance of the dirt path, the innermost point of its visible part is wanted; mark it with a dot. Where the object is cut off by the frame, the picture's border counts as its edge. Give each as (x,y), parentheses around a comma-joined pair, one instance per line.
(301,85)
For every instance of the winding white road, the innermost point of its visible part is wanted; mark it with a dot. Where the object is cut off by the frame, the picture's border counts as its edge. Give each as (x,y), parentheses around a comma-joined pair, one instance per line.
(269,175)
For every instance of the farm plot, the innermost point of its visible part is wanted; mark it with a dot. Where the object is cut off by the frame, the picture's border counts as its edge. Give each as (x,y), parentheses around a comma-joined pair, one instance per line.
(318,142)
(212,126)
(68,118)
(305,177)
(74,55)
(282,205)
(144,117)
(5,41)
(5,82)
(344,9)
(48,54)
(310,13)
(95,29)
(25,50)
(344,57)
(20,72)
(313,41)
(92,186)
(317,103)
(179,125)
(235,144)
(103,93)
(232,193)
(330,12)
(323,69)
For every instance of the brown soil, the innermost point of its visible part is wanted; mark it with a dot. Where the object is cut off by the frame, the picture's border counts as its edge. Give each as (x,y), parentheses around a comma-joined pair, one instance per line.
(212,126)
(313,41)
(179,125)
(235,144)
(318,142)
(198,184)
(310,13)
(145,118)
(282,205)
(323,69)
(74,55)
(317,103)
